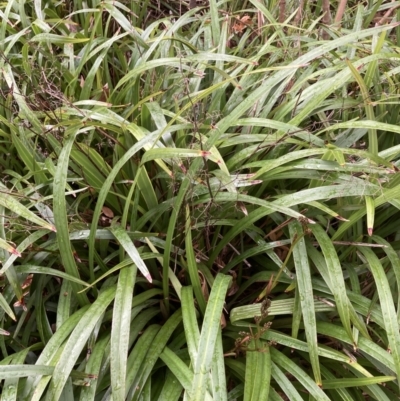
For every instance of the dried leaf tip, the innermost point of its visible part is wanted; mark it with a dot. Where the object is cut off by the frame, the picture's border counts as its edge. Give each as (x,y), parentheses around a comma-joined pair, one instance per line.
(148,277)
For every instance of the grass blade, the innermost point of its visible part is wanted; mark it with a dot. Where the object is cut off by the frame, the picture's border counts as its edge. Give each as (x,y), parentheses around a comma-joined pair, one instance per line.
(370,209)
(76,342)
(9,202)
(192,332)
(192,265)
(208,337)
(120,331)
(153,354)
(300,375)
(355,382)
(387,305)
(305,288)
(123,238)
(60,213)
(334,268)
(258,372)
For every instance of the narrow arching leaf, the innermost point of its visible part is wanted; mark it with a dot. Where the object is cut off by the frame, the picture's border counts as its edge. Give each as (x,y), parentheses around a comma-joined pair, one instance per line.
(355,382)
(208,337)
(258,372)
(304,287)
(120,331)
(180,370)
(155,350)
(167,153)
(21,247)
(76,342)
(370,207)
(387,305)
(60,212)
(14,371)
(188,141)
(10,203)
(290,366)
(121,235)
(9,248)
(190,324)
(338,287)
(192,265)
(218,372)
(285,384)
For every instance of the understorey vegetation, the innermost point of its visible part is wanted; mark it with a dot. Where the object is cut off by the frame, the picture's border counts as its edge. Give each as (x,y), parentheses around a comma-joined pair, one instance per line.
(199,200)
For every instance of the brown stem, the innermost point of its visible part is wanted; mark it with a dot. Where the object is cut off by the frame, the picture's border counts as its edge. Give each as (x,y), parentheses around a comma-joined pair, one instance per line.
(340,11)
(282,10)
(260,20)
(326,19)
(386,16)
(299,13)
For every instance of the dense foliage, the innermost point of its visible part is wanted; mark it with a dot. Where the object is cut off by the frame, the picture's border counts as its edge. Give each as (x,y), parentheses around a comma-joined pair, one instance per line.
(199,203)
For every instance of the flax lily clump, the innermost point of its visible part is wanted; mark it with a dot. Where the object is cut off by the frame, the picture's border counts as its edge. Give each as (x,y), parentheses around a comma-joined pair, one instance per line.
(199,201)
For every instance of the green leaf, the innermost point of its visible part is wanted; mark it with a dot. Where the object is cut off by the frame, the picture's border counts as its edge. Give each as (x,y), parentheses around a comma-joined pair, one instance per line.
(9,248)
(285,384)
(208,337)
(120,331)
(337,283)
(14,371)
(305,288)
(372,134)
(192,264)
(106,187)
(192,332)
(76,342)
(60,212)
(49,271)
(386,301)
(57,39)
(355,382)
(370,208)
(153,354)
(123,238)
(168,153)
(299,374)
(180,370)
(172,388)
(258,371)
(9,202)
